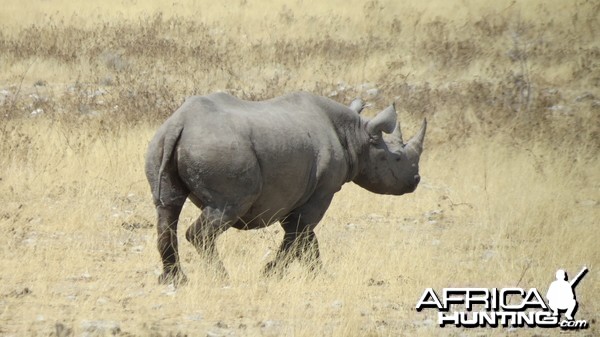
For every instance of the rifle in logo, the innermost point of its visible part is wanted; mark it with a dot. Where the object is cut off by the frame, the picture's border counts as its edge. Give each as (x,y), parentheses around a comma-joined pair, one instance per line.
(561,293)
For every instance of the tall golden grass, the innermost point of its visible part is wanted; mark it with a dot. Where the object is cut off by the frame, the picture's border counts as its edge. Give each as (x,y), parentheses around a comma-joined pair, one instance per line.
(511,171)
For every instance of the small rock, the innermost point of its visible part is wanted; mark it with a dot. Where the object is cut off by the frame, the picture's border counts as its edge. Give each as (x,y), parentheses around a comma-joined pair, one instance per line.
(489,254)
(137,249)
(342,86)
(372,282)
(560,110)
(584,97)
(375,217)
(337,304)
(221,325)
(170,290)
(372,93)
(434,214)
(102,300)
(270,328)
(100,328)
(365,86)
(588,203)
(37,112)
(195,317)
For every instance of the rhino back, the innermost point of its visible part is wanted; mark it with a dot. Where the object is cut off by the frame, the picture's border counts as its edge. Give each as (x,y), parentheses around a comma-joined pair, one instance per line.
(270,156)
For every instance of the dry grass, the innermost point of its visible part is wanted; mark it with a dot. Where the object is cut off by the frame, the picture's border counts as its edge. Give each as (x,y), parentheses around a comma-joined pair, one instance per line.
(511,171)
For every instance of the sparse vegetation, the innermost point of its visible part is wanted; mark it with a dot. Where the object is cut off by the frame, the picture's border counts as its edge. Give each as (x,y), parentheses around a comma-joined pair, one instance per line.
(511,171)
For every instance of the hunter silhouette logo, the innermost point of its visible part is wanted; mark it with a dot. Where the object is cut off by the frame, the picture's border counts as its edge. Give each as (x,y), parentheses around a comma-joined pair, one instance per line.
(507,307)
(561,294)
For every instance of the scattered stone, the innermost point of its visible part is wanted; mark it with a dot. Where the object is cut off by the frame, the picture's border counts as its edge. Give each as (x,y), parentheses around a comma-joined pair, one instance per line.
(4,96)
(102,300)
(170,290)
(195,317)
(434,216)
(20,292)
(100,328)
(584,97)
(342,86)
(60,330)
(270,328)
(372,93)
(587,203)
(137,249)
(375,217)
(428,322)
(337,304)
(372,282)
(560,110)
(365,86)
(221,325)
(131,226)
(489,254)
(37,112)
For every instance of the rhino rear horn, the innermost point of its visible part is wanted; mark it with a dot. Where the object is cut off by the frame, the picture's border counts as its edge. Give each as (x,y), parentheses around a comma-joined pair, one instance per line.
(416,142)
(385,121)
(397,134)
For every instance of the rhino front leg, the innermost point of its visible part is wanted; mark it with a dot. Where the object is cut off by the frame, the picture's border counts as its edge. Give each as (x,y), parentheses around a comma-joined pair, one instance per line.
(300,241)
(167,244)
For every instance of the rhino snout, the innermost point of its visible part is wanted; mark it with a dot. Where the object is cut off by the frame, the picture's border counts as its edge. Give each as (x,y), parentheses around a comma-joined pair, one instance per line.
(415,183)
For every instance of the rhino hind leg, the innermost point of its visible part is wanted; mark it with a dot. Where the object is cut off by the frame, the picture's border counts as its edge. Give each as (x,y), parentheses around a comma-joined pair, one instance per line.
(167,244)
(203,234)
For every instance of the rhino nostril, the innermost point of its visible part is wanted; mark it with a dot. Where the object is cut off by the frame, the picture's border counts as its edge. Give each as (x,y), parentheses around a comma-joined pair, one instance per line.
(417,179)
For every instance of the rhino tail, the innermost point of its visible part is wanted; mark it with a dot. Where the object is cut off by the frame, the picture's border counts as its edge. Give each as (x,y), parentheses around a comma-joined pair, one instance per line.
(169,143)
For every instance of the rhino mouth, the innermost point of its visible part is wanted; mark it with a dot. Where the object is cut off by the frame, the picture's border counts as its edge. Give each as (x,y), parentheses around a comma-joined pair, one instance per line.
(409,187)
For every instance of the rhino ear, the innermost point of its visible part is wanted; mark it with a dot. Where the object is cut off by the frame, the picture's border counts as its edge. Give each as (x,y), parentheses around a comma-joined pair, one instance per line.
(385,121)
(357,105)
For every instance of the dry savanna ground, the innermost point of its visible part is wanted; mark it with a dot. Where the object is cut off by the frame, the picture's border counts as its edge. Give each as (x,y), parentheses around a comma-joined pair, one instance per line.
(511,172)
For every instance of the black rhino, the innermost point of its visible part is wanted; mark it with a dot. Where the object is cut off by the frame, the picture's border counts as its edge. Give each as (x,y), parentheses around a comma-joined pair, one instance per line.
(249,164)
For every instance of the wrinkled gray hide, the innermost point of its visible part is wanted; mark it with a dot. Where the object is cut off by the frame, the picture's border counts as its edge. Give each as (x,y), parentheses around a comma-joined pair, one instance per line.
(250,164)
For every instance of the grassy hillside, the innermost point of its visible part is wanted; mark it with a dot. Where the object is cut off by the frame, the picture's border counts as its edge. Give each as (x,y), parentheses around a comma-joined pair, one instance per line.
(511,172)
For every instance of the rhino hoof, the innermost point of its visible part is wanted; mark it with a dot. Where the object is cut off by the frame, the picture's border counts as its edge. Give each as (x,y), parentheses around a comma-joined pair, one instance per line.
(177,279)
(273,269)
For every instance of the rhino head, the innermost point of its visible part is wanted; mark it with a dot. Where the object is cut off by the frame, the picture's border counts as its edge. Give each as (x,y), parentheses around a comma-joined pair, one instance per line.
(388,165)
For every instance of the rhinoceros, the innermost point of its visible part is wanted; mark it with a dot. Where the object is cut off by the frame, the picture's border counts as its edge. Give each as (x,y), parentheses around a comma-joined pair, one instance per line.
(249,164)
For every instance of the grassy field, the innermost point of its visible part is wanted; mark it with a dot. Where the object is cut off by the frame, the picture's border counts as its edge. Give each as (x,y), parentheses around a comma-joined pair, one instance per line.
(511,170)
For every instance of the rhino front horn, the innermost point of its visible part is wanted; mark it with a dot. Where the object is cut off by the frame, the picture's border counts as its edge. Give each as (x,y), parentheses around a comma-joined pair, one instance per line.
(416,142)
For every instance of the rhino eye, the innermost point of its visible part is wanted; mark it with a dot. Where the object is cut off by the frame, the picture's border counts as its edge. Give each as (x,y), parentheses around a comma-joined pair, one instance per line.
(399,159)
